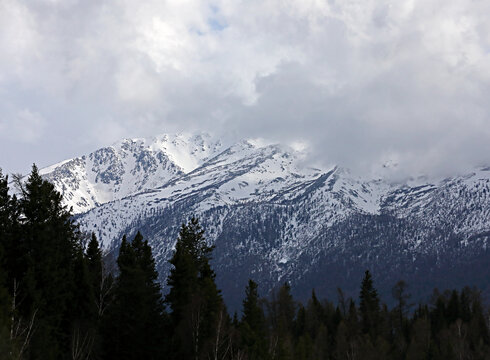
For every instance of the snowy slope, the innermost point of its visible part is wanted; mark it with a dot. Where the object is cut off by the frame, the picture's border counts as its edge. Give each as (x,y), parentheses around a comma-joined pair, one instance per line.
(271,217)
(246,173)
(128,167)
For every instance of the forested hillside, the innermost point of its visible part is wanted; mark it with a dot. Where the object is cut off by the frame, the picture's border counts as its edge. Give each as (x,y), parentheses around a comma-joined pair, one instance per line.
(276,218)
(62,297)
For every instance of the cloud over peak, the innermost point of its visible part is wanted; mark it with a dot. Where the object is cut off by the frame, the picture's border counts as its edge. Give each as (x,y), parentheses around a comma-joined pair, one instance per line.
(362,82)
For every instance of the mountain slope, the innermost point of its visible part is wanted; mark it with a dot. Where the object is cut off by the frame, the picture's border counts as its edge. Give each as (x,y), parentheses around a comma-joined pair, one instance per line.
(274,219)
(128,167)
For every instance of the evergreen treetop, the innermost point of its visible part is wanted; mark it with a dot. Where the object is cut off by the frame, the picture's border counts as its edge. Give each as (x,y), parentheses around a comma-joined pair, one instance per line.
(369,305)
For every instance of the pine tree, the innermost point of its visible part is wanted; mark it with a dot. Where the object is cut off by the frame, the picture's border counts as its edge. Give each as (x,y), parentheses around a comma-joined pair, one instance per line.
(401,297)
(453,307)
(5,228)
(282,313)
(5,301)
(369,306)
(400,333)
(9,226)
(133,327)
(252,327)
(5,202)
(84,322)
(253,314)
(479,327)
(101,289)
(94,257)
(194,300)
(315,315)
(48,241)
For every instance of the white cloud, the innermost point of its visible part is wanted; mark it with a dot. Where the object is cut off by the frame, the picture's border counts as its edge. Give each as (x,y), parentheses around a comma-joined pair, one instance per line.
(25,126)
(360,81)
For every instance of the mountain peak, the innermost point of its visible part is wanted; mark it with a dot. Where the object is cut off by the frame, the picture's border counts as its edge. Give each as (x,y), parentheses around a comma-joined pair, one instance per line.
(267,211)
(129,166)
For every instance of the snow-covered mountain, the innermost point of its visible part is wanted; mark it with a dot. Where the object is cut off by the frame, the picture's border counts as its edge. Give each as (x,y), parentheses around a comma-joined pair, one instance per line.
(128,167)
(274,219)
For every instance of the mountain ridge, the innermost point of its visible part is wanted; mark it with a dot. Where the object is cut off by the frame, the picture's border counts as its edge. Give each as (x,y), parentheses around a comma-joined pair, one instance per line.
(273,218)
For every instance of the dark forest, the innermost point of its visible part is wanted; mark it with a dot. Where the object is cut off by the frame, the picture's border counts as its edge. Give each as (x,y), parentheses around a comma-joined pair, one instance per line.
(61,297)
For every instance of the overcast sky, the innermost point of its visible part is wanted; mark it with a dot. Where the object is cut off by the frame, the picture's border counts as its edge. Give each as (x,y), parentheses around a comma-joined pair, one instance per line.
(361,81)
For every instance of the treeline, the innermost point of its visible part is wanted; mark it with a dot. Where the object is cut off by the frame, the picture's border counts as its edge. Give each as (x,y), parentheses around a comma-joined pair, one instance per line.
(59,299)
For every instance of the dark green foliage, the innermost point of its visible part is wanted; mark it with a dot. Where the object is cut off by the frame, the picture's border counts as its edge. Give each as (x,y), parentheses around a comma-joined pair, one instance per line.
(94,263)
(5,228)
(42,266)
(282,313)
(369,307)
(9,215)
(253,327)
(133,327)
(6,347)
(401,297)
(195,302)
(58,301)
(253,314)
(50,310)
(189,261)
(321,331)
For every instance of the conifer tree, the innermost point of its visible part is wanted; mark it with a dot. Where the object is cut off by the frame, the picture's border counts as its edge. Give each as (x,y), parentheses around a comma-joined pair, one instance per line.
(253,314)
(194,300)
(438,313)
(101,279)
(5,345)
(5,227)
(401,297)
(314,315)
(369,306)
(5,202)
(9,225)
(94,258)
(84,324)
(47,245)
(252,327)
(453,307)
(282,312)
(465,302)
(133,327)
(352,319)
(479,326)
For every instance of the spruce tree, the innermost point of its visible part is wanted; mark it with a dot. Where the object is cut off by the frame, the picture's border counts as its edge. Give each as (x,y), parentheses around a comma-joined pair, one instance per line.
(253,314)
(5,202)
(101,278)
(453,307)
(5,302)
(48,244)
(282,312)
(13,254)
(253,327)
(84,322)
(94,257)
(369,306)
(5,228)
(401,297)
(314,315)
(194,300)
(133,327)
(479,325)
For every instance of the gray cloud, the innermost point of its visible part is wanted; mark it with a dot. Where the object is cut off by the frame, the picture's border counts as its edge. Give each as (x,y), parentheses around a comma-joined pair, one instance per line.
(362,82)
